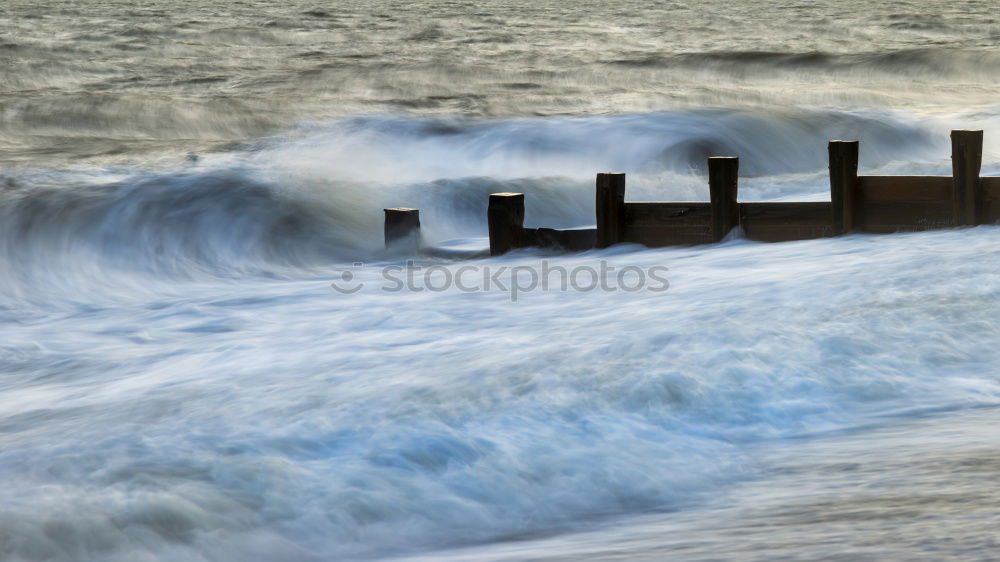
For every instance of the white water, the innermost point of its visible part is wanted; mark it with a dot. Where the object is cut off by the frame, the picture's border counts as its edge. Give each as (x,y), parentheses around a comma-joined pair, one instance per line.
(273,418)
(182,184)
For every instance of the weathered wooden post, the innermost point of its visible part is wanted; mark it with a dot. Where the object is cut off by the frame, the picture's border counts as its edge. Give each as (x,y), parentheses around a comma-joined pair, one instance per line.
(966,160)
(844,184)
(402,228)
(505,216)
(610,209)
(723,172)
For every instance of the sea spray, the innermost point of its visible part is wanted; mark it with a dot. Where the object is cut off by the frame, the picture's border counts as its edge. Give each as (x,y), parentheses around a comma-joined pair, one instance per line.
(368,424)
(315,196)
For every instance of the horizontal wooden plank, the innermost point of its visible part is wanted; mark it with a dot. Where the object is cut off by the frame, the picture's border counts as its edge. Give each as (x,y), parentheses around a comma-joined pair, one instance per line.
(904,188)
(788,212)
(990,187)
(901,216)
(989,202)
(656,214)
(576,239)
(656,236)
(989,211)
(657,224)
(778,222)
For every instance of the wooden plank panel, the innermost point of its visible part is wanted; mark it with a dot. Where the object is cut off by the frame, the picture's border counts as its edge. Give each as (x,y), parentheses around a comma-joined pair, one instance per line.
(905,188)
(669,235)
(990,211)
(990,187)
(576,239)
(897,216)
(658,213)
(989,204)
(778,222)
(664,224)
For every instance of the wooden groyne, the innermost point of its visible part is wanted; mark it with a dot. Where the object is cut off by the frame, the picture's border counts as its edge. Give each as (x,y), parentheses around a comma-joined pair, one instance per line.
(402,229)
(875,204)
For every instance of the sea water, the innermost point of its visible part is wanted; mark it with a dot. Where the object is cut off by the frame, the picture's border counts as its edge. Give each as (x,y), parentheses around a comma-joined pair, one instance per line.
(186,187)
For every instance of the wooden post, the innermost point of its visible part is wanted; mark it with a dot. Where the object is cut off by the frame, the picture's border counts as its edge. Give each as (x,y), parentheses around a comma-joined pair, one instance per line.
(723,172)
(506,220)
(966,160)
(610,209)
(844,184)
(402,228)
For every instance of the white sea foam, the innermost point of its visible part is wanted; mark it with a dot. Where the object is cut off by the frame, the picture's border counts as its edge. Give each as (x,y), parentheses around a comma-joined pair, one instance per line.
(270,419)
(315,195)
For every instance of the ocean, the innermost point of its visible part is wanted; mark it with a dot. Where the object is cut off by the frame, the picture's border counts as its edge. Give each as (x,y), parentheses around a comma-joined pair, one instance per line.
(207,354)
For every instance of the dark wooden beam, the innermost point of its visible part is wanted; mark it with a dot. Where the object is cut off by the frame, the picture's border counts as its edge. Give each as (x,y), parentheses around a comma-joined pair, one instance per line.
(667,224)
(780,221)
(966,160)
(505,217)
(723,173)
(844,184)
(402,228)
(610,209)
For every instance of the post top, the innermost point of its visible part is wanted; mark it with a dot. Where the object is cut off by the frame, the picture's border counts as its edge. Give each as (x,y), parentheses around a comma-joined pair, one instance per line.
(506,194)
(401,210)
(842,141)
(974,133)
(723,157)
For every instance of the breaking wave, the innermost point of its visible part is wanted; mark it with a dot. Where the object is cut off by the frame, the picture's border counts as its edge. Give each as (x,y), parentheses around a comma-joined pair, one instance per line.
(314,196)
